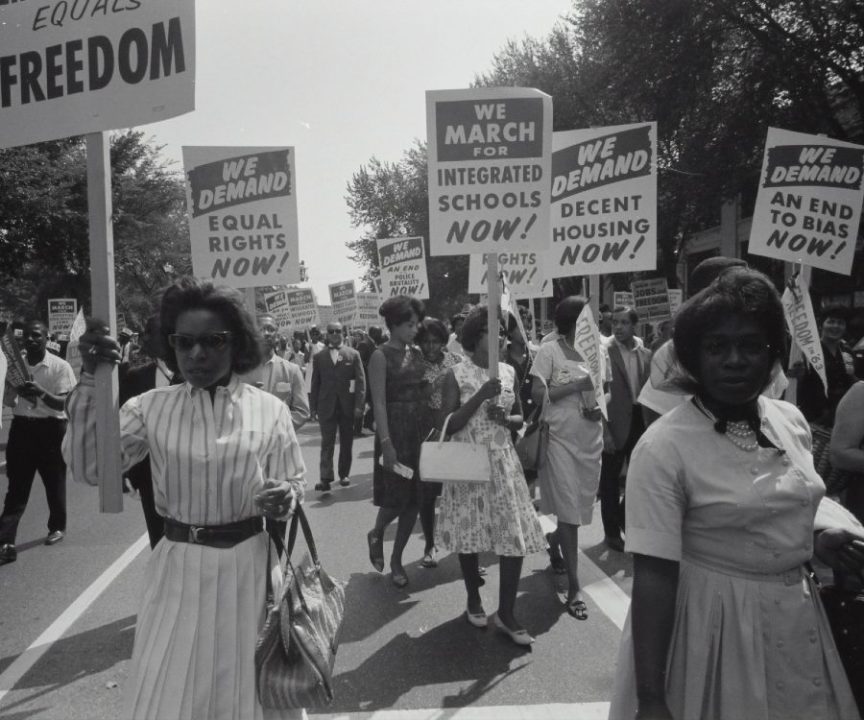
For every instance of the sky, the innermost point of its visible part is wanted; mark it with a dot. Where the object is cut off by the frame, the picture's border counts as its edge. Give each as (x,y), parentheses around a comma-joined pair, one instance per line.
(341,81)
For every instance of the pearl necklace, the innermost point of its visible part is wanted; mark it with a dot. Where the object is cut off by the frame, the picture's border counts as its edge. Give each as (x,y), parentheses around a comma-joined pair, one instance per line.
(738,432)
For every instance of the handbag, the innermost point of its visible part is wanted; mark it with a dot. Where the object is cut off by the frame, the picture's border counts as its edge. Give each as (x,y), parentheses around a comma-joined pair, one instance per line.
(296,647)
(454,461)
(531,447)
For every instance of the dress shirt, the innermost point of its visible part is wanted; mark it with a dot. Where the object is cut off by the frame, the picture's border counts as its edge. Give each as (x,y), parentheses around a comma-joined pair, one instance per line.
(57,377)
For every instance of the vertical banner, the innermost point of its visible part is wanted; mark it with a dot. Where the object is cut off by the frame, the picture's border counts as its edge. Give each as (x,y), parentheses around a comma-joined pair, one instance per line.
(589,345)
(801,321)
(523,272)
(302,307)
(489,152)
(343,299)
(242,205)
(277,306)
(604,200)
(402,263)
(809,203)
(61,315)
(73,350)
(651,299)
(676,297)
(69,69)
(17,372)
(367,309)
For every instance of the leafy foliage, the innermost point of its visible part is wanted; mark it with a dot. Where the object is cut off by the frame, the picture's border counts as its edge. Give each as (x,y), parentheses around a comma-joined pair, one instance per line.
(44,242)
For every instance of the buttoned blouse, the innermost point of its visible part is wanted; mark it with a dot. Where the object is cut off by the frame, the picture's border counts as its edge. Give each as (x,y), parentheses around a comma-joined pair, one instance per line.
(694,495)
(209,458)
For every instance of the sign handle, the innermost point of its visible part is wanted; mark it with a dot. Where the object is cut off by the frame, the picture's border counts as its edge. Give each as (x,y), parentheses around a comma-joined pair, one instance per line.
(493,310)
(103,307)
(795,354)
(249,295)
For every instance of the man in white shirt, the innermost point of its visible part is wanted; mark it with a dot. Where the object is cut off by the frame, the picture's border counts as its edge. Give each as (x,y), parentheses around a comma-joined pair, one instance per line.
(35,437)
(278,376)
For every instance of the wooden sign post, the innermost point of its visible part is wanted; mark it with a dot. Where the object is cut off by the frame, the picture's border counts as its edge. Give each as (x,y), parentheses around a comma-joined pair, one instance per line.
(494,312)
(103,307)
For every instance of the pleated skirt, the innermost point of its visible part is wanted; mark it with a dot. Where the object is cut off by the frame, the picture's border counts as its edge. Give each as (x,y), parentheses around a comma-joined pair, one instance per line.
(198,621)
(744,649)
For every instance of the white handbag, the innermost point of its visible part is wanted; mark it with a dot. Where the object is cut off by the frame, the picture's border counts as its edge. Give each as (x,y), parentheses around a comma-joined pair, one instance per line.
(442,461)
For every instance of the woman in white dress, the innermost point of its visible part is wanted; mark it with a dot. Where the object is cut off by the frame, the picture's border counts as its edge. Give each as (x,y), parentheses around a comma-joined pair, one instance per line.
(223,454)
(571,474)
(487,517)
(721,512)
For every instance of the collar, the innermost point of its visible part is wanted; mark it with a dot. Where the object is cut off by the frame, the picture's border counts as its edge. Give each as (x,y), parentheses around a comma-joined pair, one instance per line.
(233,388)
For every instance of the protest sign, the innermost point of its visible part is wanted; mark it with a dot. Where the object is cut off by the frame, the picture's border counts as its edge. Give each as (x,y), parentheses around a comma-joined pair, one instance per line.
(402,263)
(622,298)
(277,306)
(801,321)
(61,315)
(489,155)
(651,299)
(303,308)
(367,309)
(343,297)
(588,344)
(809,201)
(326,315)
(524,274)
(17,372)
(604,200)
(71,68)
(73,351)
(676,297)
(242,205)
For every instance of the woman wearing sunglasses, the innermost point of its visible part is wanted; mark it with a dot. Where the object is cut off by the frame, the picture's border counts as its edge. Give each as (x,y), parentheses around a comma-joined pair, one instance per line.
(223,454)
(722,505)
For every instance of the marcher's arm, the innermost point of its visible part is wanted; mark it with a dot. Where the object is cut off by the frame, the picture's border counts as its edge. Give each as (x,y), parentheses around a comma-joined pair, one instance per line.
(655,586)
(359,386)
(378,385)
(462,414)
(848,432)
(313,392)
(299,405)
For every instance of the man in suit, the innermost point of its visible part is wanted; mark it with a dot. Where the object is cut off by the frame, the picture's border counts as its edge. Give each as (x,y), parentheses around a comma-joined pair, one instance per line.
(135,381)
(338,397)
(631,365)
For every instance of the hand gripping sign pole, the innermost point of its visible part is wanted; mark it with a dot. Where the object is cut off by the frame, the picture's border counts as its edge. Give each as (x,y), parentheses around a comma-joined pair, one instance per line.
(102,291)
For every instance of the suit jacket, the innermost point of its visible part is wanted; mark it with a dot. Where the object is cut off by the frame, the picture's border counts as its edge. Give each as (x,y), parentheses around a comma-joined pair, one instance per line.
(622,401)
(136,381)
(340,386)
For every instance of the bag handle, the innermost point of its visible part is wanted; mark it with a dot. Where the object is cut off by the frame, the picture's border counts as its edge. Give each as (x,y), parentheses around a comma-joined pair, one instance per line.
(280,547)
(444,429)
(301,519)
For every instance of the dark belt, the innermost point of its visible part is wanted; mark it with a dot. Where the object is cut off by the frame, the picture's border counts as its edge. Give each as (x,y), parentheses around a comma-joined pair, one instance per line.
(217,536)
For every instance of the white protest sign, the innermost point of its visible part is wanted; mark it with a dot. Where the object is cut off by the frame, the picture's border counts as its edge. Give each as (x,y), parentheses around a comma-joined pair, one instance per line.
(61,315)
(489,153)
(651,299)
(622,298)
(367,309)
(809,201)
(277,306)
(604,200)
(524,274)
(588,343)
(801,321)
(71,68)
(303,308)
(402,263)
(326,315)
(242,204)
(676,297)
(343,297)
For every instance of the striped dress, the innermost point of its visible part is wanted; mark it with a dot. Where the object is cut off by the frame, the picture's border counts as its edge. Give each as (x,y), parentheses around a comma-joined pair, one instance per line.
(201,607)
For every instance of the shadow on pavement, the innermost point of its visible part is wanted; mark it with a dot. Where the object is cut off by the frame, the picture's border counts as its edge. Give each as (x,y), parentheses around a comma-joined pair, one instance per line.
(94,651)
(360,490)
(610,561)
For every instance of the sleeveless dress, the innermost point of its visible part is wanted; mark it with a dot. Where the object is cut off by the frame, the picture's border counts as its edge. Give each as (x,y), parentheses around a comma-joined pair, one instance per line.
(406,420)
(495,516)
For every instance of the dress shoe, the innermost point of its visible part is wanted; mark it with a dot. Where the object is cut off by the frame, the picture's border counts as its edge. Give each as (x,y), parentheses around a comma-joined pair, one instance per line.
(520,637)
(345,482)
(399,578)
(54,537)
(8,554)
(614,543)
(322,487)
(478,619)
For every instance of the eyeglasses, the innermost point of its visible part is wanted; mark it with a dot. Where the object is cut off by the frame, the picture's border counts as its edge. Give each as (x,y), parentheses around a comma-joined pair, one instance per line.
(748,347)
(209,341)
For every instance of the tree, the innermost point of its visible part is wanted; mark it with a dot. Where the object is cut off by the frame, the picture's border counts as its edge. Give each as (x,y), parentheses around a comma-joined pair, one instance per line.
(44,245)
(391,200)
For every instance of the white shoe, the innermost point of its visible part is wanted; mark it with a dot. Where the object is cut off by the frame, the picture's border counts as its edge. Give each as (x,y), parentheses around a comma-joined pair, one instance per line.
(520,637)
(478,620)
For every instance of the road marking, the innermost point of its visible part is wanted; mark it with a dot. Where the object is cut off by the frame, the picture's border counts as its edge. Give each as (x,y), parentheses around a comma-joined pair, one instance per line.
(611,599)
(58,628)
(558,711)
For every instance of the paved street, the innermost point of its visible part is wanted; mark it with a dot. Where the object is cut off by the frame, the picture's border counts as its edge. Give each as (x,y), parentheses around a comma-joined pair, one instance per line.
(404,653)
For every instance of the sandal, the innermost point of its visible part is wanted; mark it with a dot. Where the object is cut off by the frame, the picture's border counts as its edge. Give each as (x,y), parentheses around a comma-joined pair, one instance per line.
(429,560)
(578,609)
(376,550)
(399,579)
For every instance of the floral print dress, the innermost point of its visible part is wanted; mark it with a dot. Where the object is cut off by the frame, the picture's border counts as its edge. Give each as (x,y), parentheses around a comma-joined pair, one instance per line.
(496,516)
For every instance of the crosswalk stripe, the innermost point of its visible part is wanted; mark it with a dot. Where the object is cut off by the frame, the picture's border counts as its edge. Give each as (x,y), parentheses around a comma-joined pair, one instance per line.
(557,711)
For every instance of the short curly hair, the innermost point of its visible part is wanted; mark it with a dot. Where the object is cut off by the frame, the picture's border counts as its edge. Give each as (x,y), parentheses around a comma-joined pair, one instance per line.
(476,323)
(397,310)
(434,328)
(189,293)
(738,292)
